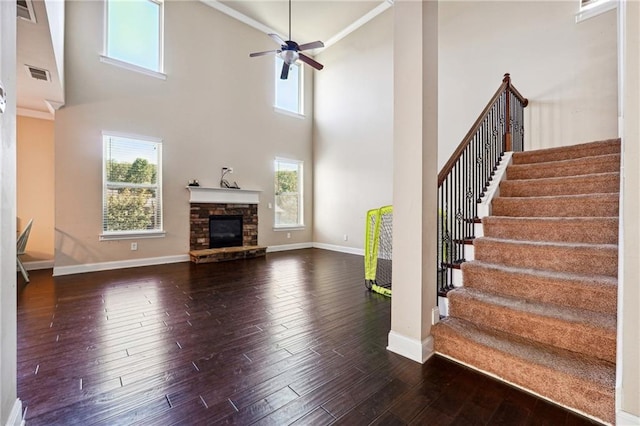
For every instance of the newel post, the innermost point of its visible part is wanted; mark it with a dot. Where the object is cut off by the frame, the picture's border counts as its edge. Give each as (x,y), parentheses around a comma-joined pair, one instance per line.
(507,114)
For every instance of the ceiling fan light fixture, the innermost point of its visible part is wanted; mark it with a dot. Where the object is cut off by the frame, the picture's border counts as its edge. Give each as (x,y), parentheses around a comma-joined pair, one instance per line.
(289,56)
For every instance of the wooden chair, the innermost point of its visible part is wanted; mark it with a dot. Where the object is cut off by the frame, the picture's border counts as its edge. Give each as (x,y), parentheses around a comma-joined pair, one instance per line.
(21,246)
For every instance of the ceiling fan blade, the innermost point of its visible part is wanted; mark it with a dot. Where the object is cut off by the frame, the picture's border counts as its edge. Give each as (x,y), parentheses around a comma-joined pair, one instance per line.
(312,45)
(307,60)
(285,71)
(267,52)
(278,39)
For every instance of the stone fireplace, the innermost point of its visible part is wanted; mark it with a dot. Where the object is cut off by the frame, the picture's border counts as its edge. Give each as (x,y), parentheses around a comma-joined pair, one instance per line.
(226,209)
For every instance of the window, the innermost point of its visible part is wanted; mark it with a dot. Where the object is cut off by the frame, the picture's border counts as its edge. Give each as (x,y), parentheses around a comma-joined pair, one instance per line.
(289,91)
(132,187)
(591,8)
(134,34)
(288,191)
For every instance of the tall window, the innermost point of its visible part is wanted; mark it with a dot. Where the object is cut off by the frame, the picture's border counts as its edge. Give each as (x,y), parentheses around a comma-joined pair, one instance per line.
(134,32)
(132,187)
(289,91)
(288,190)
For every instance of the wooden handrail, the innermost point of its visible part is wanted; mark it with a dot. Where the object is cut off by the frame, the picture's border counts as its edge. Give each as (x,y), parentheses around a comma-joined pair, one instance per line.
(506,85)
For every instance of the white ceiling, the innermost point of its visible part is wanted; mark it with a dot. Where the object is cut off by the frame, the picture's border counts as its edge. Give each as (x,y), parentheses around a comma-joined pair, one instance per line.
(311,20)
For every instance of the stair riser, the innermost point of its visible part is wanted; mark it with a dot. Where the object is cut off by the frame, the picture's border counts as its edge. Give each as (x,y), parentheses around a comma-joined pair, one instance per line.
(603,231)
(549,170)
(576,337)
(534,288)
(533,188)
(567,153)
(594,206)
(577,260)
(569,391)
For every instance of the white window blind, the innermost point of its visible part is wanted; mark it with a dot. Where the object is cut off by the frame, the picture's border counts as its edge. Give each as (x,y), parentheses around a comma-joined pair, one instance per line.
(132,186)
(288,194)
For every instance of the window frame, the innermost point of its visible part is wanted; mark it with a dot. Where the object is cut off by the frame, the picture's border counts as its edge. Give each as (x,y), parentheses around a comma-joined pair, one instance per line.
(591,8)
(105,58)
(278,61)
(135,233)
(300,193)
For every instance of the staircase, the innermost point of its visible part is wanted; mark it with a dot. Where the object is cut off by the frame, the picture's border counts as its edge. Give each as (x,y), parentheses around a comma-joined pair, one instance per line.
(538,304)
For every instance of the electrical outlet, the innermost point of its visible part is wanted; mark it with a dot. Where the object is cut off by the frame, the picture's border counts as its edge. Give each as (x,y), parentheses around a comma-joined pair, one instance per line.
(230,169)
(288,234)
(270,206)
(134,246)
(345,237)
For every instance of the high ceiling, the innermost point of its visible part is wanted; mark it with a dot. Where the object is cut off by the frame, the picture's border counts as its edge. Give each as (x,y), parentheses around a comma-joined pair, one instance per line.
(311,20)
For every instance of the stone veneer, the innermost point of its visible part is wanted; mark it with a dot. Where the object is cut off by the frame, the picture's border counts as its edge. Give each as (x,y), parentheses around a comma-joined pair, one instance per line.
(199,220)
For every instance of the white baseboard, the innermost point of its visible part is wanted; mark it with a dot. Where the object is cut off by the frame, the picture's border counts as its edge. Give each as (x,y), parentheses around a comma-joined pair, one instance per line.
(626,419)
(119,264)
(38,264)
(286,247)
(15,416)
(413,349)
(341,249)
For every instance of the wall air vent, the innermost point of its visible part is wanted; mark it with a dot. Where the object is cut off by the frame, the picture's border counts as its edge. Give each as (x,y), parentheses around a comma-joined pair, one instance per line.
(38,73)
(25,10)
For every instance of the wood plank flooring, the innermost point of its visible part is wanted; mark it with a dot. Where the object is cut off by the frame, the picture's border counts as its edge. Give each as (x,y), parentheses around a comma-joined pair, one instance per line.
(291,338)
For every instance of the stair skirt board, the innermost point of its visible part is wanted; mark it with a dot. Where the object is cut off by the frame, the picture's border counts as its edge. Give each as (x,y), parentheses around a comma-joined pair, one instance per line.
(515,385)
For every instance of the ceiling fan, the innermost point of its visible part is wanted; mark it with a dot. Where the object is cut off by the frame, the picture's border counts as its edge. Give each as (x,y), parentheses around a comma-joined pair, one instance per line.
(290,51)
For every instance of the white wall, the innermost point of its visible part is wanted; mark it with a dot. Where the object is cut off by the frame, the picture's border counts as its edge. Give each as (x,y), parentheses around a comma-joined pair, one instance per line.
(214,110)
(353,133)
(8,289)
(568,71)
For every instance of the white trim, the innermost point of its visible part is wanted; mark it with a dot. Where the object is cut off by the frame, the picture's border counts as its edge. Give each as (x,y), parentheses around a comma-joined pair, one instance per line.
(200,194)
(413,349)
(596,9)
(287,247)
(15,416)
(125,135)
(627,419)
(131,67)
(24,112)
(289,113)
(126,235)
(386,4)
(341,249)
(118,264)
(239,16)
(37,265)
(484,207)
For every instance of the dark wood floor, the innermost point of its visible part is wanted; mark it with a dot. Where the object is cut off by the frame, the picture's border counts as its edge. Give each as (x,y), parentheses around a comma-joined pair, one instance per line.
(293,338)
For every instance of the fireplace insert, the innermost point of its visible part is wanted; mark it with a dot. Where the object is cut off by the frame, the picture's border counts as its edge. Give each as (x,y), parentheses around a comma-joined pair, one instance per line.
(225,231)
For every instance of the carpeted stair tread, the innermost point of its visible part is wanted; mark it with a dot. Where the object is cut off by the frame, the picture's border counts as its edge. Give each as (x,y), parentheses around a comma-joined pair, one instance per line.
(586,205)
(589,149)
(599,183)
(572,329)
(574,167)
(596,259)
(597,293)
(593,230)
(568,378)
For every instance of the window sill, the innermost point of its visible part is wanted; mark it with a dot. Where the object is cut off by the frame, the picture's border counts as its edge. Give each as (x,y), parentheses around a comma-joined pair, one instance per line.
(289,228)
(111,236)
(597,9)
(289,113)
(132,67)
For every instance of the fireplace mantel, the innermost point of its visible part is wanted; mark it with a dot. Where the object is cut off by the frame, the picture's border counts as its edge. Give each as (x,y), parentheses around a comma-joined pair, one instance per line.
(199,194)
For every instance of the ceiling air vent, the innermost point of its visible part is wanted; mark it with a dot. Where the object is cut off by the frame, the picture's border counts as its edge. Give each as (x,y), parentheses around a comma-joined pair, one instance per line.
(38,73)
(25,10)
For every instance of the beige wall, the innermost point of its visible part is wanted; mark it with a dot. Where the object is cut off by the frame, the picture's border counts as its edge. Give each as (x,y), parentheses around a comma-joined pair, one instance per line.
(567,70)
(35,185)
(214,110)
(8,291)
(353,133)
